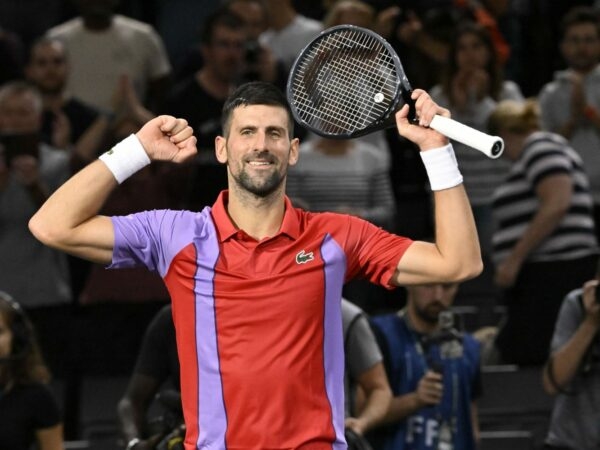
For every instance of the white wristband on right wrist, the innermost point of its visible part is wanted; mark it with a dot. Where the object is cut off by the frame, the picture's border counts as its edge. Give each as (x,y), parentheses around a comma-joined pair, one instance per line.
(126,158)
(442,168)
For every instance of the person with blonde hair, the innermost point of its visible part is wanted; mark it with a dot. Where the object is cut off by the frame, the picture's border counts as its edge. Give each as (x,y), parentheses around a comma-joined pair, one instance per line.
(28,410)
(544,243)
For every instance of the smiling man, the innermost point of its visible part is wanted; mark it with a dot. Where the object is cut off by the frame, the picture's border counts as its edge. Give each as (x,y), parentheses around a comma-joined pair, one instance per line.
(255,283)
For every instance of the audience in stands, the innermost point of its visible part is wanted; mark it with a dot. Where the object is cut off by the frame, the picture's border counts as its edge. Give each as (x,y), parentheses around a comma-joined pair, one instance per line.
(570,104)
(30,414)
(544,245)
(572,372)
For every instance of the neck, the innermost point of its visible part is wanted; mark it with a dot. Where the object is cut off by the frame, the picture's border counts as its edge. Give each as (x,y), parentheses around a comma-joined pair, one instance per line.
(333,146)
(97,23)
(53,101)
(259,217)
(281,16)
(215,86)
(417,323)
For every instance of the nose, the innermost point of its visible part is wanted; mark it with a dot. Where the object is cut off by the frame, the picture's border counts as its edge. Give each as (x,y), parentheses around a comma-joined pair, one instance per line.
(260,142)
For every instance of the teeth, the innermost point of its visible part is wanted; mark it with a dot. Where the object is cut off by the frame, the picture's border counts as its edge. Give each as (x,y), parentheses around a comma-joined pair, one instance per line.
(259,163)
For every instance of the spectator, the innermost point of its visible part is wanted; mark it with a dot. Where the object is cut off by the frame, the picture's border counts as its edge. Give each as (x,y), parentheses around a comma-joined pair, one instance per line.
(29,412)
(472,85)
(156,369)
(544,245)
(570,104)
(367,391)
(572,371)
(288,31)
(434,373)
(29,171)
(199,99)
(103,47)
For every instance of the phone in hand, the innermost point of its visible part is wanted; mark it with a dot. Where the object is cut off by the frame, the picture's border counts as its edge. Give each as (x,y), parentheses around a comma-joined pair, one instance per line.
(15,144)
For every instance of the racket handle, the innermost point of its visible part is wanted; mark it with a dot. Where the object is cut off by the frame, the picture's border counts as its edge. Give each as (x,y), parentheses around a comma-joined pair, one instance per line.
(491,146)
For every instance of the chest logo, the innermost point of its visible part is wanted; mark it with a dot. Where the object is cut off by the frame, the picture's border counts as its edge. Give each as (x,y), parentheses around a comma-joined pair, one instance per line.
(303,258)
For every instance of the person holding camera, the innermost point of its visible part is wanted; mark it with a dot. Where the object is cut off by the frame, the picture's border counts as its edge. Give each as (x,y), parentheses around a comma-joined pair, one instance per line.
(572,372)
(434,372)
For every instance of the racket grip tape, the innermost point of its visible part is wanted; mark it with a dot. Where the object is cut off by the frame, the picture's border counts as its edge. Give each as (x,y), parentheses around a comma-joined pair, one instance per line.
(491,146)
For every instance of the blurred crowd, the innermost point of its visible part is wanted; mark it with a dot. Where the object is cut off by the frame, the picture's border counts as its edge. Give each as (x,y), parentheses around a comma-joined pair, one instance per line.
(78,76)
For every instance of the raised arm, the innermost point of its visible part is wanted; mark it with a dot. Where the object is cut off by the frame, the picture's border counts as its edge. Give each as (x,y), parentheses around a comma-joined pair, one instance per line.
(69,219)
(455,255)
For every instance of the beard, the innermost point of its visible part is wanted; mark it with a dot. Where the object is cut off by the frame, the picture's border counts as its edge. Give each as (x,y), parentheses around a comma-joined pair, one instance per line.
(430,313)
(260,187)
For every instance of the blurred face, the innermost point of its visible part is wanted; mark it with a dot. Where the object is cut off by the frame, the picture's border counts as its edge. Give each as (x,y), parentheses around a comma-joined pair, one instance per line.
(258,149)
(19,113)
(253,14)
(5,338)
(352,15)
(581,47)
(48,68)
(471,52)
(96,8)
(428,300)
(224,55)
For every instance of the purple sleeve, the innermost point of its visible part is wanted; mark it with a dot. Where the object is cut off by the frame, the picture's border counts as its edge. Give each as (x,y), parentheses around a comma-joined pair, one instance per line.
(152,238)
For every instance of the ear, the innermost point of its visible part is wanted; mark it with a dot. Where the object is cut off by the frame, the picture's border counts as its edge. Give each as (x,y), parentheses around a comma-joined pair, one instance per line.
(221,149)
(294,152)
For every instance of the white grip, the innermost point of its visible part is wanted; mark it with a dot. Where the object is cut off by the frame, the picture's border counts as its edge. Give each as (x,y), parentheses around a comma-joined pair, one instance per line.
(491,146)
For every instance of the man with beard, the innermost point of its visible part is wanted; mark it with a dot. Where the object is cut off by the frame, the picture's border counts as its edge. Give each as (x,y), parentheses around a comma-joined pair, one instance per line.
(434,373)
(67,122)
(570,104)
(255,283)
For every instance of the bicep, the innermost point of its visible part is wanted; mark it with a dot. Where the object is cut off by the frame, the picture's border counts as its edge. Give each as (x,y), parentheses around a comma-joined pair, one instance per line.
(421,263)
(50,438)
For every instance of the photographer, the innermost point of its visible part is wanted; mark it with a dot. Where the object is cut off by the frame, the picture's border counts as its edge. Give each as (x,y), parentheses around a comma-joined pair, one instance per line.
(571,372)
(433,371)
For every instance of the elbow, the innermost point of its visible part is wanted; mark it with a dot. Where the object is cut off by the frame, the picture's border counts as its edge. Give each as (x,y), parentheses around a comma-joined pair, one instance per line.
(465,270)
(43,231)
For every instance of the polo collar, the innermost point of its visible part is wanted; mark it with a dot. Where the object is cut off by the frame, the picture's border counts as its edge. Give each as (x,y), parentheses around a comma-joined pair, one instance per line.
(290,225)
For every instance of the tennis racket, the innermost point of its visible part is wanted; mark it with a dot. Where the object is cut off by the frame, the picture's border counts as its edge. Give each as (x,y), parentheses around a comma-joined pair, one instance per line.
(349,82)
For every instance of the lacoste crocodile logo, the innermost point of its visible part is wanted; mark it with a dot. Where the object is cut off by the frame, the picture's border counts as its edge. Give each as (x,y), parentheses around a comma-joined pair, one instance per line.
(303,258)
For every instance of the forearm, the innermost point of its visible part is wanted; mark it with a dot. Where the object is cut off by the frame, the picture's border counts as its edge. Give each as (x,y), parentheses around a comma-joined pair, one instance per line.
(375,408)
(566,360)
(401,407)
(130,419)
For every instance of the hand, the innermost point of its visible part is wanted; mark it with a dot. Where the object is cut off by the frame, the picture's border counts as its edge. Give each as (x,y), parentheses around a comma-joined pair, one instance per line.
(25,169)
(61,130)
(166,138)
(592,308)
(425,137)
(507,271)
(430,389)
(355,424)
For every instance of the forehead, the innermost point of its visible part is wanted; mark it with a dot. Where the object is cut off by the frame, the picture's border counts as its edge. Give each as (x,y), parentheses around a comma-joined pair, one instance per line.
(261,116)
(582,28)
(48,48)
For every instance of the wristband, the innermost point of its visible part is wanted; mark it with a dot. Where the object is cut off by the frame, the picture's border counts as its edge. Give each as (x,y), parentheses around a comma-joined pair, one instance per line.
(442,168)
(132,443)
(126,158)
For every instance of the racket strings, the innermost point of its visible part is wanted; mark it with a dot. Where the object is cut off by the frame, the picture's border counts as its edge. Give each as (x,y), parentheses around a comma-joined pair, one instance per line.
(345,83)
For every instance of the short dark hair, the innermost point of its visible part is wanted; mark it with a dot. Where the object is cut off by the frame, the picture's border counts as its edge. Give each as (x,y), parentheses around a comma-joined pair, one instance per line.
(579,15)
(220,18)
(255,93)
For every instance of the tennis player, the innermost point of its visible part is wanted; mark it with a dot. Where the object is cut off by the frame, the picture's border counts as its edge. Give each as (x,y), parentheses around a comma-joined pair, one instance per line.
(256,283)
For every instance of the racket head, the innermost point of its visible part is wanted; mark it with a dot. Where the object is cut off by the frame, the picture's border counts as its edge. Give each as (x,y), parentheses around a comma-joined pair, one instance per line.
(347,82)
